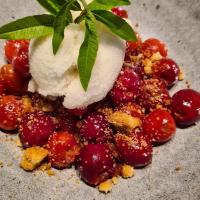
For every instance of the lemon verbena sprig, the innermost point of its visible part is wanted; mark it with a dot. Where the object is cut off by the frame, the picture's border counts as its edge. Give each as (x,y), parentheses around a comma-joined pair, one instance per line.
(60,16)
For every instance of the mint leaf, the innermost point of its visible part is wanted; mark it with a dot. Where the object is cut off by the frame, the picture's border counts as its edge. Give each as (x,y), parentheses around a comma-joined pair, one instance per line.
(75,6)
(107,4)
(50,5)
(28,27)
(116,24)
(60,24)
(88,51)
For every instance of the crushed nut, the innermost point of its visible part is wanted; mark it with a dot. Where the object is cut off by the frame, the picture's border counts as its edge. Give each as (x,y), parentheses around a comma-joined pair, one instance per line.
(127,171)
(106,186)
(32,158)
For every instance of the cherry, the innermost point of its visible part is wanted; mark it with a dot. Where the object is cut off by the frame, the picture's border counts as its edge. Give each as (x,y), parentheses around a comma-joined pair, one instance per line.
(2,89)
(63,149)
(186,107)
(126,87)
(95,128)
(66,122)
(10,112)
(12,82)
(160,125)
(21,62)
(154,94)
(134,150)
(152,45)
(120,12)
(96,163)
(79,112)
(167,70)
(12,46)
(35,128)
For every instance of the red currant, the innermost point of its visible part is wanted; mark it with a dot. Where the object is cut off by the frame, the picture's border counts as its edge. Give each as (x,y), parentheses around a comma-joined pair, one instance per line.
(120,12)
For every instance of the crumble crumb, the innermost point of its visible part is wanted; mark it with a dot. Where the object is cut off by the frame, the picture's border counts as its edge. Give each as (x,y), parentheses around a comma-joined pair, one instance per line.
(178,168)
(106,186)
(115,180)
(181,75)
(147,66)
(1,164)
(127,171)
(32,158)
(124,120)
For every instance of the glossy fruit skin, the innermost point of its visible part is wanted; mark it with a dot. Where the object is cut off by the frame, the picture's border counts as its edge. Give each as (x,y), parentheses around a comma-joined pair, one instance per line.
(10,112)
(12,46)
(13,82)
(135,149)
(95,129)
(160,126)
(120,12)
(152,45)
(96,163)
(126,87)
(154,94)
(35,128)
(79,112)
(66,121)
(186,107)
(167,70)
(63,149)
(21,62)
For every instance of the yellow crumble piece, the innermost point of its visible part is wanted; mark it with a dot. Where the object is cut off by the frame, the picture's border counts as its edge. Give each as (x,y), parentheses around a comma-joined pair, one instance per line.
(33,157)
(124,120)
(106,186)
(155,57)
(147,66)
(181,76)
(115,180)
(127,171)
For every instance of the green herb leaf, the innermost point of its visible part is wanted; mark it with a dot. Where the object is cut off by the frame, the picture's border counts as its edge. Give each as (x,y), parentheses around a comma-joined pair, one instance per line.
(28,27)
(50,5)
(107,4)
(88,51)
(116,24)
(60,24)
(75,6)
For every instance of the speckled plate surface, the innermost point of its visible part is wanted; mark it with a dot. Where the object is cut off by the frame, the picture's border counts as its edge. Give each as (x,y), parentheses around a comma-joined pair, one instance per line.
(177,22)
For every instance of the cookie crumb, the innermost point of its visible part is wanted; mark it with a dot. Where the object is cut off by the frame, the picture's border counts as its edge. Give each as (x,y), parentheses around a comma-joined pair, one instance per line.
(106,186)
(178,168)
(127,171)
(33,157)
(180,75)
(1,164)
(115,180)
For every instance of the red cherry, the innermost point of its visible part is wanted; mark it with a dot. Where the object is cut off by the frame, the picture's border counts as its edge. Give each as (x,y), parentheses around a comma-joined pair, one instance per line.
(167,70)
(12,82)
(160,125)
(79,112)
(186,107)
(120,12)
(21,62)
(134,150)
(96,163)
(95,128)
(154,94)
(66,122)
(152,45)
(12,46)
(126,87)
(35,128)
(2,89)
(10,112)
(63,149)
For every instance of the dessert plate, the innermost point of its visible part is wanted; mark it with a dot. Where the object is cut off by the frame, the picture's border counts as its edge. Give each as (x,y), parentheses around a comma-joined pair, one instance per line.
(175,170)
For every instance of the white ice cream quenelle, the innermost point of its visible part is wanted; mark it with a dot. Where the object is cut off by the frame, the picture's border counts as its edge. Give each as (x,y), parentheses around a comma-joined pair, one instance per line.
(57,75)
